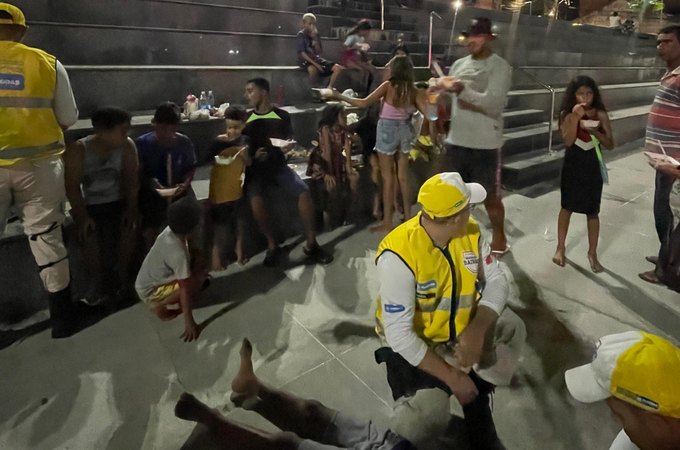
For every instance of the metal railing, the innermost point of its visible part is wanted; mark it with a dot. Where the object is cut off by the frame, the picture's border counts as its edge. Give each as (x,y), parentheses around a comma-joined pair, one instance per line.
(433,14)
(552,104)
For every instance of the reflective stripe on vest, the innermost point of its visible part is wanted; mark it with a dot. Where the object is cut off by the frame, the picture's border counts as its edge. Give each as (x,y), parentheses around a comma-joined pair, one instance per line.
(437,315)
(29,152)
(25,102)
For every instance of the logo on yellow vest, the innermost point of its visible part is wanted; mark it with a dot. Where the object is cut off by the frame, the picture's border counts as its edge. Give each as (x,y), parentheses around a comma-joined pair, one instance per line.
(11,82)
(471,262)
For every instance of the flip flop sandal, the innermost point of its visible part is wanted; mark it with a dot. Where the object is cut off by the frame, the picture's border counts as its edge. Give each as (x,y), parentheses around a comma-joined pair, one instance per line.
(500,253)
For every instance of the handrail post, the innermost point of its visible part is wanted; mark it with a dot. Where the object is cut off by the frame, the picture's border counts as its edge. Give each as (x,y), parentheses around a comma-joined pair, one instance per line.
(550,122)
(552,105)
(429,42)
(382,15)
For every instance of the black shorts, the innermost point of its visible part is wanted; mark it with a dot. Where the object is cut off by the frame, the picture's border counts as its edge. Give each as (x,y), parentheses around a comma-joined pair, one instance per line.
(327,66)
(474,165)
(226,213)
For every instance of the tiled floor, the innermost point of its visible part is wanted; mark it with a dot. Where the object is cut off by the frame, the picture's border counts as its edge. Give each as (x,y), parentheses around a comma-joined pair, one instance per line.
(113,386)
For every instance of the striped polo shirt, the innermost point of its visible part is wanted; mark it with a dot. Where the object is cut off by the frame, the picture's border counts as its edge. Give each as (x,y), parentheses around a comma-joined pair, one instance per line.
(663,122)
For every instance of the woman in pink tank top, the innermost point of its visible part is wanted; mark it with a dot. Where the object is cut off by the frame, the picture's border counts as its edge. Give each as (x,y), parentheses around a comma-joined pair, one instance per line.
(394,133)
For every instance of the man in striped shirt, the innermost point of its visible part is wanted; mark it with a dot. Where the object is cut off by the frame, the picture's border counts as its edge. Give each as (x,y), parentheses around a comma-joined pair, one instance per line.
(663,130)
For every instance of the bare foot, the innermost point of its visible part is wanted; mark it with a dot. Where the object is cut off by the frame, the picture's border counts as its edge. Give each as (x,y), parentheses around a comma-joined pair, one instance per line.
(190,408)
(650,277)
(380,229)
(241,257)
(245,383)
(595,265)
(559,258)
(164,313)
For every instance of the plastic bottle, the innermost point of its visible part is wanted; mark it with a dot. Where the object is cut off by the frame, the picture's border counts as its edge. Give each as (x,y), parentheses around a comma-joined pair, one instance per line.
(432,113)
(211,100)
(203,101)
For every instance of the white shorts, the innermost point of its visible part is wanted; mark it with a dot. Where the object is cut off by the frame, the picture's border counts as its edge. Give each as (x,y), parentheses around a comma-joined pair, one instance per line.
(345,432)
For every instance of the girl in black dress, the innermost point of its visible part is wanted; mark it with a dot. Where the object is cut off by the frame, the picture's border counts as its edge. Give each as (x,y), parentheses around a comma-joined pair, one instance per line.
(583,120)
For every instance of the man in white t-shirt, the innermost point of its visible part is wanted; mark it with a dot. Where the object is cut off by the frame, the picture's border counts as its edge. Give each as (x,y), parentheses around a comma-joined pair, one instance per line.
(637,374)
(479,83)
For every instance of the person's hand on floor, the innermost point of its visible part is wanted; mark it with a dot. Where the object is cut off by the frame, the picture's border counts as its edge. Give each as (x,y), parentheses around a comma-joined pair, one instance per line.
(191,331)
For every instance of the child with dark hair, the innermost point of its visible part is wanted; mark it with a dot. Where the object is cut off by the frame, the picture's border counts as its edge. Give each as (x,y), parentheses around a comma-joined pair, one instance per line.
(309,51)
(101,177)
(585,126)
(355,54)
(399,99)
(330,165)
(225,214)
(167,281)
(168,163)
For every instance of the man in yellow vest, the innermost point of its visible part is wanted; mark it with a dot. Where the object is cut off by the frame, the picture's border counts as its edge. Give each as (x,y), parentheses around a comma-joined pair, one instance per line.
(36,105)
(441,295)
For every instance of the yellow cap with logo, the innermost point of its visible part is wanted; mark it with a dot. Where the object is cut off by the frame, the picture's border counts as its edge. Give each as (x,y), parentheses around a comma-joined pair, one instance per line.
(639,368)
(446,194)
(16,16)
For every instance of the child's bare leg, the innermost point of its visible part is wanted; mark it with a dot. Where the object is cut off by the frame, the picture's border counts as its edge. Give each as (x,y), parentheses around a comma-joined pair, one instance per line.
(239,247)
(306,418)
(219,242)
(231,434)
(161,310)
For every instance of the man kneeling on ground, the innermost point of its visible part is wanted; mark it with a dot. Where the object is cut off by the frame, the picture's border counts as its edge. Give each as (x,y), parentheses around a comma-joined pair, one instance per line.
(441,299)
(167,279)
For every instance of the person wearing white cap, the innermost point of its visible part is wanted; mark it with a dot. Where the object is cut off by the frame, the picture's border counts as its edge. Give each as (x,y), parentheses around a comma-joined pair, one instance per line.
(638,374)
(36,105)
(441,295)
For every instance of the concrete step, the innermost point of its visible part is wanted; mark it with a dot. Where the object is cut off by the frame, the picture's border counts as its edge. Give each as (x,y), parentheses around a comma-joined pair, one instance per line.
(81,44)
(514,118)
(615,96)
(104,44)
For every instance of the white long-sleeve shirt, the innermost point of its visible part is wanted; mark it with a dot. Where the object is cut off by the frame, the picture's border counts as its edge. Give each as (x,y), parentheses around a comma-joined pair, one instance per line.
(64,104)
(398,288)
(487,82)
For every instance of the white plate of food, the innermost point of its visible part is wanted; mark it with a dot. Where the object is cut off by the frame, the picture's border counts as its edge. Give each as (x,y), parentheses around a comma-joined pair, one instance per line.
(323,92)
(224,160)
(586,124)
(282,142)
(660,157)
(167,192)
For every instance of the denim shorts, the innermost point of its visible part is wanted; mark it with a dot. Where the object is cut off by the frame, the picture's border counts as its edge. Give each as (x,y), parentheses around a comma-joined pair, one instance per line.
(392,135)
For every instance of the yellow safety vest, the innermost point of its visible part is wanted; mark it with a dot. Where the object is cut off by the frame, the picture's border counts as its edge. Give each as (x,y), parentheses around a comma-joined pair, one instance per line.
(28,125)
(435,275)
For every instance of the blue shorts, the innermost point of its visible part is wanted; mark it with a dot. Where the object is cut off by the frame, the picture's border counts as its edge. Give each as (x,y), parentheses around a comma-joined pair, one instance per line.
(392,135)
(283,178)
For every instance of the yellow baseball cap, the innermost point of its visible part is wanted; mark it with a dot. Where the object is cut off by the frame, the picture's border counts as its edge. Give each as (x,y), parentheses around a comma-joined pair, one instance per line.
(446,193)
(17,16)
(639,368)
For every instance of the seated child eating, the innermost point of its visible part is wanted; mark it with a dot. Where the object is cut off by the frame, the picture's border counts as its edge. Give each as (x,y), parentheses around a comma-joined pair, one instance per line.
(167,277)
(226,190)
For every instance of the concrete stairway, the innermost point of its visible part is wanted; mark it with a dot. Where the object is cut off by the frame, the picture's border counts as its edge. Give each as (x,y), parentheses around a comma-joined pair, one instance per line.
(137,53)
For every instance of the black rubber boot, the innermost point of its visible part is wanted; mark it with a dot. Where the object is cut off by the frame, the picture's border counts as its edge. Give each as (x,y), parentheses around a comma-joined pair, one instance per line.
(62,314)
